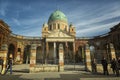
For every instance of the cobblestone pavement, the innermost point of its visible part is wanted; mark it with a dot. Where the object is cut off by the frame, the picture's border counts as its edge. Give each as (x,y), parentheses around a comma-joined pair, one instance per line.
(21,72)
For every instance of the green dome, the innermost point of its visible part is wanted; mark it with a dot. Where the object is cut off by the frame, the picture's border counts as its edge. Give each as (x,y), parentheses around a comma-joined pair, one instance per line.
(57,15)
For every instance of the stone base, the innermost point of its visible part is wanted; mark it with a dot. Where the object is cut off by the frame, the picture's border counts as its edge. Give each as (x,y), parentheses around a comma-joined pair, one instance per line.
(100,68)
(44,68)
(61,68)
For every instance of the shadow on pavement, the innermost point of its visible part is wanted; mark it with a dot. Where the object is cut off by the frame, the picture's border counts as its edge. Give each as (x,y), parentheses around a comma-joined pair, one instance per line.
(84,76)
(12,77)
(22,71)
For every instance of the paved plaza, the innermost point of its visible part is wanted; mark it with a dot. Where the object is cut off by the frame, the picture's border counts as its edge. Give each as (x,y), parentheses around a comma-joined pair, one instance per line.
(21,72)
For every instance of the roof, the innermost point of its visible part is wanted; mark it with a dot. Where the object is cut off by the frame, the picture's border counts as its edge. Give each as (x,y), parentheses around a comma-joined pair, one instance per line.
(57,15)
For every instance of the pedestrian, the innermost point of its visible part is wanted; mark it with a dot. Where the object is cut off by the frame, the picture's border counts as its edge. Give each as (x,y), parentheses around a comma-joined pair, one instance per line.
(105,66)
(1,64)
(10,63)
(94,69)
(118,66)
(114,66)
(119,63)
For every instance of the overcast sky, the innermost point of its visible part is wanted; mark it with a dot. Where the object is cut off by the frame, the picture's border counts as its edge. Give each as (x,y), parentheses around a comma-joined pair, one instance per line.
(90,17)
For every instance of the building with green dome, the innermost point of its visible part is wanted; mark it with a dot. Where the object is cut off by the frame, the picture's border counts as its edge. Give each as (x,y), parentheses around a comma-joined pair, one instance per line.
(46,49)
(57,31)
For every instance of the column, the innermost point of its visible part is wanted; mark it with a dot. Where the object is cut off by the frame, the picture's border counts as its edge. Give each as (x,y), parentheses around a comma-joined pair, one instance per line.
(66,56)
(87,58)
(83,55)
(61,58)
(74,50)
(21,55)
(33,58)
(47,50)
(112,51)
(55,52)
(4,49)
(43,53)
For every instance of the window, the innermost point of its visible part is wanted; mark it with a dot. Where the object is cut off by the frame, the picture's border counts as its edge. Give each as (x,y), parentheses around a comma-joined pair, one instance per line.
(65,28)
(58,26)
(19,50)
(72,29)
(50,28)
(45,29)
(54,26)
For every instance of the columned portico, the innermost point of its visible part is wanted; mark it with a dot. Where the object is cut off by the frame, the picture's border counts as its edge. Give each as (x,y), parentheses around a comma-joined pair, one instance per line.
(55,41)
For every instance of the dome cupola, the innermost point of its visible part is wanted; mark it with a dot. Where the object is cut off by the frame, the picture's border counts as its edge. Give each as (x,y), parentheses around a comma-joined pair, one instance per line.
(57,15)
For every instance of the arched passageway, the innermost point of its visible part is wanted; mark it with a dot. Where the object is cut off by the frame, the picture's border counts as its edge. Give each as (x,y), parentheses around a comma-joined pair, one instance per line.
(11,50)
(39,55)
(79,57)
(26,57)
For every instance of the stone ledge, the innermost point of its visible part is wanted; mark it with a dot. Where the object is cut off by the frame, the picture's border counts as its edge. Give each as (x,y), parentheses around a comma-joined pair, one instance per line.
(45,68)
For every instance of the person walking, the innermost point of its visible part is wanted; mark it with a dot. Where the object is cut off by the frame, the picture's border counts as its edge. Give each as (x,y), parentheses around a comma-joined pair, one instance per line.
(1,64)
(114,66)
(118,66)
(105,66)
(94,69)
(10,63)
(119,63)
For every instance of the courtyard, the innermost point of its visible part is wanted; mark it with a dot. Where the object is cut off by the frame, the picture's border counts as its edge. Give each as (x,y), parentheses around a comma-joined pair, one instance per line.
(21,72)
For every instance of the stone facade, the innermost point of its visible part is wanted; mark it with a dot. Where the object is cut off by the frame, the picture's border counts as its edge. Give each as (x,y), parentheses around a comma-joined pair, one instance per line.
(57,31)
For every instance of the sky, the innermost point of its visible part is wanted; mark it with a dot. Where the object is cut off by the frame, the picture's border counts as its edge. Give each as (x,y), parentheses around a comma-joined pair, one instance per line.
(90,17)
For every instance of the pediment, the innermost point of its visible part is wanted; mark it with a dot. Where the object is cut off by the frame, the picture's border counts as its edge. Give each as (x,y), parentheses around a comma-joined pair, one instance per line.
(58,33)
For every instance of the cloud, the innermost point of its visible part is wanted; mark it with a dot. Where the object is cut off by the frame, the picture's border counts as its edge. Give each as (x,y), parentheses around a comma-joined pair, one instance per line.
(3,8)
(90,18)
(95,30)
(27,26)
(30,32)
(100,19)
(16,22)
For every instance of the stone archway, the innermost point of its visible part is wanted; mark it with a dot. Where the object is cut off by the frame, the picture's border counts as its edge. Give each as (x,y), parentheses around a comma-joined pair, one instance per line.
(26,57)
(39,55)
(79,55)
(11,50)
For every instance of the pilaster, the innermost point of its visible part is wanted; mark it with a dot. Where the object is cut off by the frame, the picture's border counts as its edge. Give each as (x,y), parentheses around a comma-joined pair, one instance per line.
(112,51)
(88,58)
(4,52)
(33,58)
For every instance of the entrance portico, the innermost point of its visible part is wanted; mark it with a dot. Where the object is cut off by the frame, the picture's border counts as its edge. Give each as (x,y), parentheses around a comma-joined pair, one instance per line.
(52,45)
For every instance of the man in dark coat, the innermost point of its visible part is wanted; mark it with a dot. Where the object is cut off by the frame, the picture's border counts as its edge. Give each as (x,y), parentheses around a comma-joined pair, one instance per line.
(94,68)
(119,63)
(105,66)
(10,63)
(114,66)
